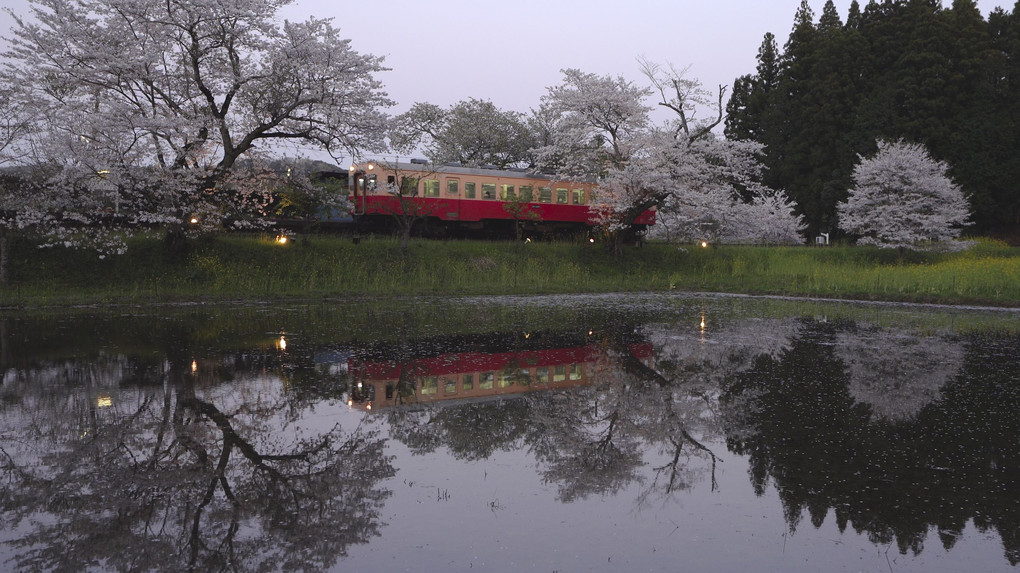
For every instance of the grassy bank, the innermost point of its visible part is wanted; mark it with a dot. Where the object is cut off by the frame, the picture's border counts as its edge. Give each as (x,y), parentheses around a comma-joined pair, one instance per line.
(234,267)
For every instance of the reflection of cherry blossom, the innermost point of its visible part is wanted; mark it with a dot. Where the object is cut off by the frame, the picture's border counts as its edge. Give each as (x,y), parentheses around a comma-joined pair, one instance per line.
(189,476)
(897,373)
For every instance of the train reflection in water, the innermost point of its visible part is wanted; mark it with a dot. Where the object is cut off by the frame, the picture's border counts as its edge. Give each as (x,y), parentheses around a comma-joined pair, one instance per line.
(487,366)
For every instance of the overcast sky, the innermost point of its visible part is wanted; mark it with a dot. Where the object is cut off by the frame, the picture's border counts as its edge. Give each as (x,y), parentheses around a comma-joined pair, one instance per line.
(445,51)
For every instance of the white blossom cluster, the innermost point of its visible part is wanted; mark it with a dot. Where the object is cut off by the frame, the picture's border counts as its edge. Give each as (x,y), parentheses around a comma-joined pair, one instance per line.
(902,198)
(705,187)
(143,114)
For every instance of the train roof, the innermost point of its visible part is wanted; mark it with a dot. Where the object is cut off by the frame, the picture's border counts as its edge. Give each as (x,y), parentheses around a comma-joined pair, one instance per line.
(457,169)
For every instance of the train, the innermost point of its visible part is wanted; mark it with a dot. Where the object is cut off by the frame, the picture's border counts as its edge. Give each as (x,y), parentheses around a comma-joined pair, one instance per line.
(501,366)
(451,200)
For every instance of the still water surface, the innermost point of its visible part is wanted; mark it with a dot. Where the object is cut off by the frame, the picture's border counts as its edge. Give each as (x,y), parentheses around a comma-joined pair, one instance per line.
(587,433)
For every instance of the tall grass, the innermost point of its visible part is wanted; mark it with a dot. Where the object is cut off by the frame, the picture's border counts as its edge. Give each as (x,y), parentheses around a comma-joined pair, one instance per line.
(247,267)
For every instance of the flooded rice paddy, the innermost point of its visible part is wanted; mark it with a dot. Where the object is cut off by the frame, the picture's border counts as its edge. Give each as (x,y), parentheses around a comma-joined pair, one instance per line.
(578,433)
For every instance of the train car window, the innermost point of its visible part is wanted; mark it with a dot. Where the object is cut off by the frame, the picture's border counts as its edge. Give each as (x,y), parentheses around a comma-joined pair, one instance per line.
(409,186)
(506,378)
(545,195)
(429,385)
(468,382)
(485,380)
(561,196)
(506,192)
(542,374)
(369,184)
(449,385)
(578,196)
(452,186)
(430,188)
(488,190)
(469,190)
(526,193)
(575,371)
(559,373)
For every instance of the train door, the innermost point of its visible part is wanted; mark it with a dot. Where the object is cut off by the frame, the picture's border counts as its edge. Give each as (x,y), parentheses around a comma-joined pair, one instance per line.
(452,210)
(361,184)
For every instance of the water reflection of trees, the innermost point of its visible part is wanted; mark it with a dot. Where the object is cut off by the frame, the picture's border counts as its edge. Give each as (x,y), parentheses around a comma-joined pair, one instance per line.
(589,440)
(179,472)
(894,479)
(150,459)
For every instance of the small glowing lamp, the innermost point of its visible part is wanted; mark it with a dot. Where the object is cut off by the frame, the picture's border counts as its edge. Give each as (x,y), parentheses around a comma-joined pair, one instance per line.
(194,220)
(704,244)
(282,343)
(194,365)
(281,239)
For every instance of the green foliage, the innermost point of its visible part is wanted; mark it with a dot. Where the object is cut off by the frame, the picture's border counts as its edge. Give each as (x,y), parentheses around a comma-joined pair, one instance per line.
(258,268)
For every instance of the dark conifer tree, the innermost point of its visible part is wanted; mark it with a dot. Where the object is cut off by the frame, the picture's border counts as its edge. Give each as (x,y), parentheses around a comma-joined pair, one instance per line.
(786,150)
(991,171)
(819,86)
(982,118)
(751,94)
(854,16)
(898,69)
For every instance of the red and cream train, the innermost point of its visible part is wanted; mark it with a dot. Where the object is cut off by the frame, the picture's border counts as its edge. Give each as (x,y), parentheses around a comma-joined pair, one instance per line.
(450,200)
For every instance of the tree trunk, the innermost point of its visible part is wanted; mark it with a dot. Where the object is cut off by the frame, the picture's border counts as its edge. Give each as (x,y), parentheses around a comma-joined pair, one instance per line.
(4,257)
(175,244)
(405,238)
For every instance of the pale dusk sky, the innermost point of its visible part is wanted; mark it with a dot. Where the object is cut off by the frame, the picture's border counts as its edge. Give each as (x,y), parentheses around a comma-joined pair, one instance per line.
(445,51)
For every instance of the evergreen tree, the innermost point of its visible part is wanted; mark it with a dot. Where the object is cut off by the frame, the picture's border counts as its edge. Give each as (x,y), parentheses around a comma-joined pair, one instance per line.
(751,95)
(998,201)
(812,155)
(740,121)
(854,16)
(908,69)
(983,112)
(786,152)
(830,18)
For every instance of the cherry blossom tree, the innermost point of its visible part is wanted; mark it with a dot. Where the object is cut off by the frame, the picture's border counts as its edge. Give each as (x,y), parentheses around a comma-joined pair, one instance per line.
(717,216)
(16,181)
(903,198)
(604,133)
(150,107)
